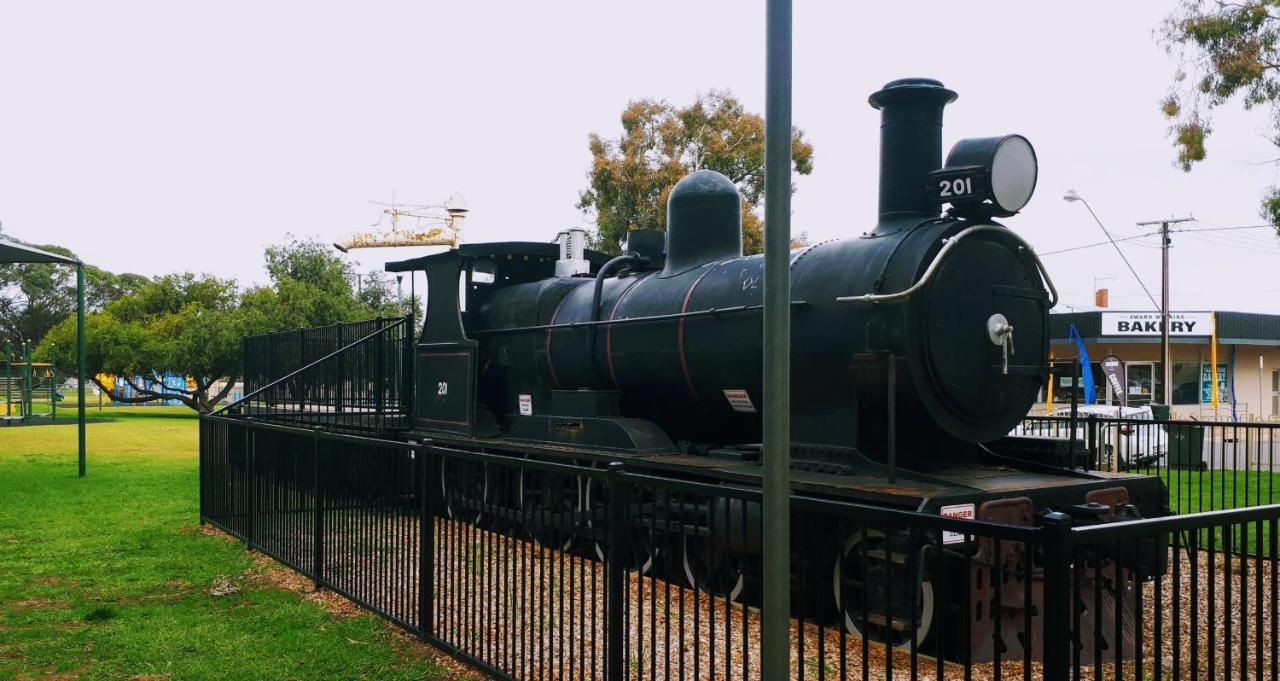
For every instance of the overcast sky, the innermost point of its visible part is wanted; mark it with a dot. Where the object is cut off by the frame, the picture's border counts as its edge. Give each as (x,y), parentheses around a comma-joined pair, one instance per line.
(168,136)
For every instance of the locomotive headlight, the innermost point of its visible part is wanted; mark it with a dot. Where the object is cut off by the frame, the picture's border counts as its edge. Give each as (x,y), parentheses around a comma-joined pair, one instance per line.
(987,176)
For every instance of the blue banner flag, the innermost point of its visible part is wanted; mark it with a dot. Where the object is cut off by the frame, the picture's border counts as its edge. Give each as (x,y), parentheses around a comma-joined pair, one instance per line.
(1086,373)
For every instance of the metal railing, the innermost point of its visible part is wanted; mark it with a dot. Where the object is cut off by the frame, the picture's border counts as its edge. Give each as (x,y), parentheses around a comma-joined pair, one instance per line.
(538,570)
(354,377)
(1206,465)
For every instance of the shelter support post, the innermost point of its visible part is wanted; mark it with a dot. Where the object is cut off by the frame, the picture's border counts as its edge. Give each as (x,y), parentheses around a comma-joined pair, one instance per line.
(80,373)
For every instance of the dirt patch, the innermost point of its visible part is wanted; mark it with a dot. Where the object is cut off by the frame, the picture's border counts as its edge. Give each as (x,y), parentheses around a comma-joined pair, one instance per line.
(268,573)
(38,604)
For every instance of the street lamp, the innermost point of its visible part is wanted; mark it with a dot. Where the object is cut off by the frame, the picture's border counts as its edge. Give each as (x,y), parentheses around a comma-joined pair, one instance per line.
(1071,197)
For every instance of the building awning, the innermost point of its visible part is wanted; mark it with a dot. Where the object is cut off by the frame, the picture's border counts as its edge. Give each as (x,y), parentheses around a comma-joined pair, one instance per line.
(13,252)
(1233,328)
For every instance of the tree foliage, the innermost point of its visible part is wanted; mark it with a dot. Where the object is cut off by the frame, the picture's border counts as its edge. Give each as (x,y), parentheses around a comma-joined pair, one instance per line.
(191,325)
(182,324)
(632,175)
(36,296)
(312,286)
(1227,50)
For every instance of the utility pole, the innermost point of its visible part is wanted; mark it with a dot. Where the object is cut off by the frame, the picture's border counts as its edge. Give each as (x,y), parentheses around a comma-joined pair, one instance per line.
(1164,304)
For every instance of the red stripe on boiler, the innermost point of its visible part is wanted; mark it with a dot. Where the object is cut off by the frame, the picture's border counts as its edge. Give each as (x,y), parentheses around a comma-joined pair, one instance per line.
(608,331)
(684,363)
(551,367)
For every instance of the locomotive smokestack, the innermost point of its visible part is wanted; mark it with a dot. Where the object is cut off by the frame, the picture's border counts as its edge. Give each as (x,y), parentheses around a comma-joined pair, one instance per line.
(910,143)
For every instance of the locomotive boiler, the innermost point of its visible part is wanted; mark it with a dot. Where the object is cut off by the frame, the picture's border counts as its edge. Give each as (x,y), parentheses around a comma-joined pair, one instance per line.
(917,344)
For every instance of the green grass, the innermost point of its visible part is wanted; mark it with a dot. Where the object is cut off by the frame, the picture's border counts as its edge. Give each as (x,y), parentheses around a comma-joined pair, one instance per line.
(108,576)
(1194,491)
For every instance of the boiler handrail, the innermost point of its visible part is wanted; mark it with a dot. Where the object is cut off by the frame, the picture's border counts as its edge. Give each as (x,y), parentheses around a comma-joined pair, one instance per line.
(937,261)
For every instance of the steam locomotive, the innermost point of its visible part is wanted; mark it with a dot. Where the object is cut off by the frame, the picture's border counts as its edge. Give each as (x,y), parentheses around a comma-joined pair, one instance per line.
(916,346)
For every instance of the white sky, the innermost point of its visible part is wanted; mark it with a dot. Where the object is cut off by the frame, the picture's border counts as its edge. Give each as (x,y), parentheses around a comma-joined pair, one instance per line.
(156,137)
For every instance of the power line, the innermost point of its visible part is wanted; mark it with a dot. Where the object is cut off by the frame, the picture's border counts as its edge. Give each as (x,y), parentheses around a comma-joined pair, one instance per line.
(1095,245)
(1072,196)
(1172,231)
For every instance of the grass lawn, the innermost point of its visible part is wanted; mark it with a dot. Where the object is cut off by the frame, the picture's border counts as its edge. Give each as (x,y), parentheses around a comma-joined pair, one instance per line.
(1194,491)
(110,576)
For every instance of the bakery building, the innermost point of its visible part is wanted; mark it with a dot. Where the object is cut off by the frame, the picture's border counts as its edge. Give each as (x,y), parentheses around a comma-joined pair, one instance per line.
(1247,349)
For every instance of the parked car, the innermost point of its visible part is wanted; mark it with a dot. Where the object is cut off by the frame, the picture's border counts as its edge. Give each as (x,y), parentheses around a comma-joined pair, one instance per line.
(1140,445)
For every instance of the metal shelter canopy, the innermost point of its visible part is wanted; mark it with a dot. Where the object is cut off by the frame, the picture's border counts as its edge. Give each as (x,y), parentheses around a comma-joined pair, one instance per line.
(13,253)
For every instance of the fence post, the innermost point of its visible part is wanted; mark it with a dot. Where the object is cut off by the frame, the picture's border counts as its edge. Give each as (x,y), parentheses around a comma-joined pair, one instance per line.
(251,482)
(1091,439)
(317,540)
(406,369)
(426,541)
(1055,529)
(615,573)
(380,374)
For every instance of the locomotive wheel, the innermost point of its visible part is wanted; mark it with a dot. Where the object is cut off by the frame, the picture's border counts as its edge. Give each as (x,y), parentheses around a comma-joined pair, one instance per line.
(471,485)
(716,572)
(545,496)
(640,550)
(872,586)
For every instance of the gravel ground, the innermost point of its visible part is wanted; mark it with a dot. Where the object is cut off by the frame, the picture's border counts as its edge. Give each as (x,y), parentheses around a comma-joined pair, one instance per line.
(539,613)
(543,613)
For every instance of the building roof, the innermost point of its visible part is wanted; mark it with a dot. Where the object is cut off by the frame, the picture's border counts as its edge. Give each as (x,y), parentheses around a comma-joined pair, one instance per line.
(13,252)
(1234,328)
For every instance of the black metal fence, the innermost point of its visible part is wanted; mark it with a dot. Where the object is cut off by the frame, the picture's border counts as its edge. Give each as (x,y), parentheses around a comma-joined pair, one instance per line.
(1206,465)
(538,570)
(353,377)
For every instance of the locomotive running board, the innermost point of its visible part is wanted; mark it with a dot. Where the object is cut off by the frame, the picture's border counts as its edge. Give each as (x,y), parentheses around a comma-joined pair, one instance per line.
(614,435)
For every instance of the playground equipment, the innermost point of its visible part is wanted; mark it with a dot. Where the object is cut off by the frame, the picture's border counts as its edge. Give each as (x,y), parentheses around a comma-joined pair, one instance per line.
(14,252)
(30,389)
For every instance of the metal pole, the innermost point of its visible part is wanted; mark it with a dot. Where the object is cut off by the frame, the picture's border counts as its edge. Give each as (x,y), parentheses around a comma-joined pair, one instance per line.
(26,380)
(1056,530)
(1167,370)
(8,378)
(615,576)
(53,380)
(776,639)
(80,377)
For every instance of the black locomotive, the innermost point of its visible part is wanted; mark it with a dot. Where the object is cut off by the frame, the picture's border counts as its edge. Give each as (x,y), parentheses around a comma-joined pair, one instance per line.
(655,356)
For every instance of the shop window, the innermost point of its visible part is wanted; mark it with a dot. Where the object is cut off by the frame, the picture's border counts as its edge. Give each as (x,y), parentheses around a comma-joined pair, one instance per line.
(1275,392)
(1063,388)
(1186,383)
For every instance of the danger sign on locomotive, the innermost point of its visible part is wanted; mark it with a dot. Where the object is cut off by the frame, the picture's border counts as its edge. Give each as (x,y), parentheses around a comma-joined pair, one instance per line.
(1148,324)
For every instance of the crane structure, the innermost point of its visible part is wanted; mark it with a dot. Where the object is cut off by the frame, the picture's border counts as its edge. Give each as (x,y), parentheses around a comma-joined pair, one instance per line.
(433,225)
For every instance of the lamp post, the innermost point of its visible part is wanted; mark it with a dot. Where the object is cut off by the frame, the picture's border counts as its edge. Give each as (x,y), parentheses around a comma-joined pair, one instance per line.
(1072,197)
